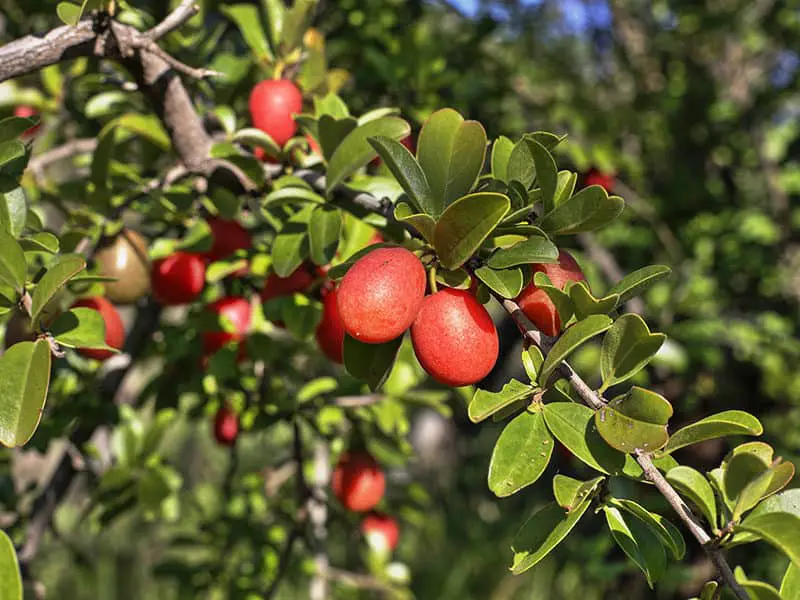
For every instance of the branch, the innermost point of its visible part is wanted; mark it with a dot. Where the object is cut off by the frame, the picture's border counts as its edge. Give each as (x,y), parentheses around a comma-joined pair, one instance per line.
(185,11)
(318,516)
(358,580)
(42,161)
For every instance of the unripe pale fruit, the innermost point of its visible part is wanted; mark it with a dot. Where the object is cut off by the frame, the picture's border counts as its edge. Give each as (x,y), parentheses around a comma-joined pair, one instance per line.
(297,281)
(358,481)
(330,331)
(536,304)
(454,338)
(604,180)
(381,294)
(125,258)
(178,279)
(228,236)
(27,112)
(115,330)
(236,310)
(226,426)
(272,104)
(383,526)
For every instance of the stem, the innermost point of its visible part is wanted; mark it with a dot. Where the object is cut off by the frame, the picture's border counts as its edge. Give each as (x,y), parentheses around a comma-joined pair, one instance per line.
(432,280)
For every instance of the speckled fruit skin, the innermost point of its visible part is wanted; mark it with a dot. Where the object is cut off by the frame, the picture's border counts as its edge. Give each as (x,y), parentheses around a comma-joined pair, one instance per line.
(380,524)
(237,310)
(297,281)
(228,237)
(178,279)
(272,103)
(126,258)
(115,330)
(381,294)
(358,481)
(604,180)
(536,304)
(330,331)
(454,338)
(226,426)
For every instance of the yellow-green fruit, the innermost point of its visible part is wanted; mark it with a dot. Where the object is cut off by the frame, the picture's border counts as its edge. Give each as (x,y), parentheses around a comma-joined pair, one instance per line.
(125,258)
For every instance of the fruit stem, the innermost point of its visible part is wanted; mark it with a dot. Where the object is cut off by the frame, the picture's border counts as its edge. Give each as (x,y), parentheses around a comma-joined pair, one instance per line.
(432,280)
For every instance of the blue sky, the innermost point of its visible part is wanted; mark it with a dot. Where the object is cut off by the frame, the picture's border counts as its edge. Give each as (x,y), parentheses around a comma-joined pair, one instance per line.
(575,11)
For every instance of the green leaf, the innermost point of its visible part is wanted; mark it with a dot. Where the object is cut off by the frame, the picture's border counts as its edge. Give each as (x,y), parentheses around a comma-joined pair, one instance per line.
(536,249)
(301,315)
(291,247)
(771,481)
(11,150)
(451,152)
(570,492)
(457,279)
(333,130)
(521,166)
(758,590)
(147,126)
(777,528)
(589,209)
(570,340)
(42,241)
(13,211)
(638,542)
(696,488)
(501,152)
(101,164)
(560,299)
(506,282)
(787,501)
(542,532)
(546,173)
(291,194)
(10,577)
(24,379)
(248,19)
(69,13)
(709,591)
(296,20)
(565,187)
(316,388)
(627,348)
(521,454)
(324,230)
(635,421)
(80,328)
(355,151)
(790,586)
(13,127)
(56,277)
(255,137)
(276,13)
(13,267)
(730,422)
(666,533)
(408,173)
(370,362)
(466,224)
(424,224)
(586,304)
(635,283)
(532,360)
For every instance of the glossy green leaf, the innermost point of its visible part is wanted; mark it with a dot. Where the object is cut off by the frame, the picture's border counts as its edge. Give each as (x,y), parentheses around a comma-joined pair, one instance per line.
(251,136)
(696,488)
(69,13)
(638,542)
(521,454)
(333,130)
(635,283)
(10,577)
(565,187)
(316,388)
(771,481)
(730,422)
(451,152)
(466,224)
(570,492)
(586,304)
(292,194)
(296,21)
(370,362)
(458,279)
(787,501)
(501,152)
(709,591)
(542,532)
(790,586)
(779,529)
(301,315)
(355,151)
(546,173)
(506,282)
(535,249)
(13,127)
(589,209)
(377,113)
(13,267)
(423,223)
(666,533)
(324,230)
(13,211)
(759,590)
(248,19)
(80,328)
(636,420)
(24,380)
(408,173)
(291,247)
(627,348)
(576,335)
(41,241)
(11,150)
(532,360)
(56,277)
(521,166)
(146,126)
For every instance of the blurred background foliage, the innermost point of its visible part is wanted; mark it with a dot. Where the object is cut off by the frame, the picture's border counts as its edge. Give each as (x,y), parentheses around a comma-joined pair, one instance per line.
(693,104)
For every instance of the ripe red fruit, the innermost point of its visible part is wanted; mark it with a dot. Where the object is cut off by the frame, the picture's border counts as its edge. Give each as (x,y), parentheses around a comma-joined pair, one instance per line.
(27,112)
(379,524)
(454,338)
(228,237)
(330,331)
(237,311)
(536,304)
(298,280)
(178,279)
(272,103)
(226,426)
(604,180)
(262,155)
(115,330)
(358,481)
(381,294)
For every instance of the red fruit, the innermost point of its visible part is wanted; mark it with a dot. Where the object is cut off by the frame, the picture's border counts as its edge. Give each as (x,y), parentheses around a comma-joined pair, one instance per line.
(115,330)
(226,426)
(536,304)
(358,481)
(381,294)
(261,155)
(604,180)
(407,141)
(272,103)
(237,311)
(27,112)
(297,281)
(454,338)
(330,331)
(228,237)
(178,279)
(379,524)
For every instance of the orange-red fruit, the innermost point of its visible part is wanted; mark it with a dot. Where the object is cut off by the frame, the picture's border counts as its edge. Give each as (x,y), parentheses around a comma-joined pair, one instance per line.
(604,180)
(115,330)
(298,281)
(381,294)
(454,338)
(330,331)
(358,481)
(536,304)
(226,426)
(178,279)
(272,103)
(237,311)
(380,524)
(228,237)
(27,112)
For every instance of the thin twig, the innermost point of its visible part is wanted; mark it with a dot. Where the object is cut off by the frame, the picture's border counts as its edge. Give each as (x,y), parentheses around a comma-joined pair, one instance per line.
(185,11)
(358,580)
